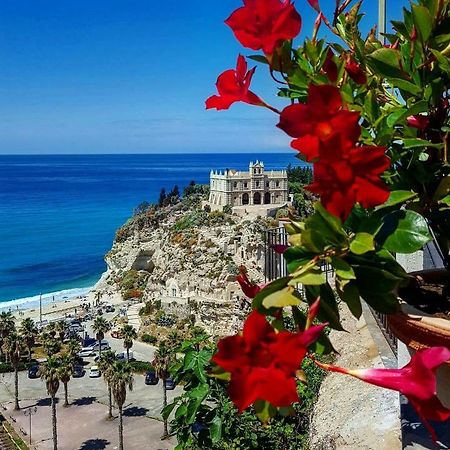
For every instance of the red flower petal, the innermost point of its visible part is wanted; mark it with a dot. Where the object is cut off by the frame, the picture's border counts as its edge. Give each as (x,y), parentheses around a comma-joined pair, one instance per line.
(233,86)
(355,72)
(265,24)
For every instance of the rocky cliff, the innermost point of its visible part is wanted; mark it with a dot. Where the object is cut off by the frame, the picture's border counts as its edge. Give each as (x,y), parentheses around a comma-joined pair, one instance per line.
(181,254)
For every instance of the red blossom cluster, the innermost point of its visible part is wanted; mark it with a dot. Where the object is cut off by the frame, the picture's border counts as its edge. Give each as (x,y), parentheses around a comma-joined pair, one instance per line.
(263,362)
(327,134)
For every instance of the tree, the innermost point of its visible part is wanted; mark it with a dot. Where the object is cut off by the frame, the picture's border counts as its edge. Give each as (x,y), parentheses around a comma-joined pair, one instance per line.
(61,329)
(66,366)
(73,348)
(51,330)
(28,331)
(49,372)
(128,334)
(121,377)
(13,348)
(174,195)
(164,358)
(50,344)
(105,364)
(162,197)
(98,297)
(142,208)
(100,327)
(7,326)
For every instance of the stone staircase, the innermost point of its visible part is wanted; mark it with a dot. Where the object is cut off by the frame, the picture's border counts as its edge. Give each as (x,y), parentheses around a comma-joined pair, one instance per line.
(133,316)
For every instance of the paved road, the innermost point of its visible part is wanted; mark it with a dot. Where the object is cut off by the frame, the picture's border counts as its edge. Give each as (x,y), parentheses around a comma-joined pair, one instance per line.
(89,397)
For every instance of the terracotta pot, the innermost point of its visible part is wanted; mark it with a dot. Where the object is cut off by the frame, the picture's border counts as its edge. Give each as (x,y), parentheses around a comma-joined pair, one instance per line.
(419,330)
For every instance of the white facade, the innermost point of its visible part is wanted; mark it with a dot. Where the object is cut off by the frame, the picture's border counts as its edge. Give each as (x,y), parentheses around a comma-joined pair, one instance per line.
(255,187)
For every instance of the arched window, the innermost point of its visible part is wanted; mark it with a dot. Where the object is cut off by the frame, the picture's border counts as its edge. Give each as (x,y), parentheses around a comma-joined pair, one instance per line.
(277,184)
(257,184)
(235,184)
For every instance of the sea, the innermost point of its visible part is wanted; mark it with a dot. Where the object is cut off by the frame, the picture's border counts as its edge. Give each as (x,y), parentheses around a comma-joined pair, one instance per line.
(59,213)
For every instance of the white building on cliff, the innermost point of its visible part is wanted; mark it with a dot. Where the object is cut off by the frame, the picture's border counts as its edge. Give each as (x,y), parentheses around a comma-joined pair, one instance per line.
(255,187)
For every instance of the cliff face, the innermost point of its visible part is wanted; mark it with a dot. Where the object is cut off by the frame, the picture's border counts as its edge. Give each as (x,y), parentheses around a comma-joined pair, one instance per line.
(183,255)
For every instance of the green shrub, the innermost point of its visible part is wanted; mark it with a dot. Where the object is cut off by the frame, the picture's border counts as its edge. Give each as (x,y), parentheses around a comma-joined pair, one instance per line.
(140,366)
(149,339)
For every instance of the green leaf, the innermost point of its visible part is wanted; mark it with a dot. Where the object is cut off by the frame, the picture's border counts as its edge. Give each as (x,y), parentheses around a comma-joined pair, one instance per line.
(312,276)
(394,117)
(403,231)
(215,429)
(196,396)
(181,411)
(342,268)
(282,298)
(296,257)
(362,243)
(350,295)
(328,309)
(397,198)
(264,410)
(446,200)
(406,86)
(423,21)
(443,189)
(197,361)
(413,143)
(386,62)
(165,413)
(274,286)
(258,58)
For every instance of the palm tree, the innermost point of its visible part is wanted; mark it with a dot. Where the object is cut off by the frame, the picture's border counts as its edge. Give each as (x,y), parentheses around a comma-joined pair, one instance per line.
(49,372)
(28,331)
(173,339)
(164,358)
(98,296)
(105,364)
(7,326)
(121,377)
(66,364)
(50,329)
(13,348)
(100,327)
(61,329)
(128,334)
(50,344)
(73,348)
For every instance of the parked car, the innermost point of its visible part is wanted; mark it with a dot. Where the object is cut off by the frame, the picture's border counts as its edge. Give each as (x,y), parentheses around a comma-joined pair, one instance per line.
(94,372)
(86,352)
(151,378)
(33,371)
(109,308)
(170,384)
(104,344)
(78,372)
(123,356)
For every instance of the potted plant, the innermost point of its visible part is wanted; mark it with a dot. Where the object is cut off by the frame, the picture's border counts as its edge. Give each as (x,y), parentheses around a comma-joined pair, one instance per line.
(371,116)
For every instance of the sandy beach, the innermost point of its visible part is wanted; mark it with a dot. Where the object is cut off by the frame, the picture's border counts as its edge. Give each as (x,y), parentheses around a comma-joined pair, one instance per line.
(68,306)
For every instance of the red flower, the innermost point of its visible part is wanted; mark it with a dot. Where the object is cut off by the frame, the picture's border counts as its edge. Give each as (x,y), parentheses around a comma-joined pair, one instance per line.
(355,72)
(233,86)
(318,119)
(263,362)
(346,174)
(418,121)
(416,381)
(265,24)
(249,288)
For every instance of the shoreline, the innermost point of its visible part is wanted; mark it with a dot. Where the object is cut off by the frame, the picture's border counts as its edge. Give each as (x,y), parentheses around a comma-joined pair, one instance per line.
(60,304)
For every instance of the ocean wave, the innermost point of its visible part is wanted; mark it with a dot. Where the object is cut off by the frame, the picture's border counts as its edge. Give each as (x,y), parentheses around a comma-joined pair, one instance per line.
(33,302)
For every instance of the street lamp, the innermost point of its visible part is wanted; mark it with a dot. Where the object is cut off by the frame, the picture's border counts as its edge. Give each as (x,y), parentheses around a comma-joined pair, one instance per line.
(30,412)
(381,19)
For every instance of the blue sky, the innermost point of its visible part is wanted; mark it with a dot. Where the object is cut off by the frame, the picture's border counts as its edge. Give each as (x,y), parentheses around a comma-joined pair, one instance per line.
(128,76)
